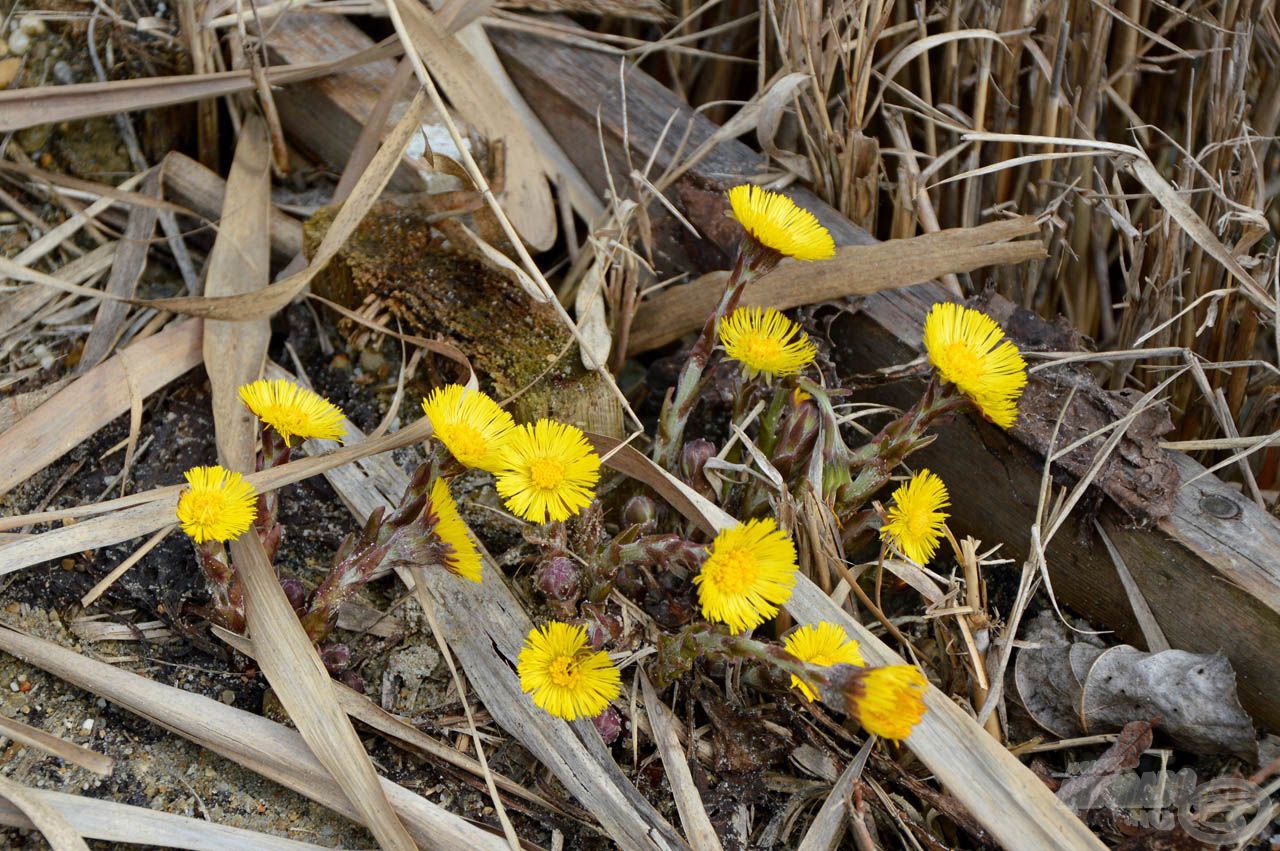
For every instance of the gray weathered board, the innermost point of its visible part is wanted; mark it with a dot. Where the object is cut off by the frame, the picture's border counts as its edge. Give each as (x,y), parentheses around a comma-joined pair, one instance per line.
(1210,570)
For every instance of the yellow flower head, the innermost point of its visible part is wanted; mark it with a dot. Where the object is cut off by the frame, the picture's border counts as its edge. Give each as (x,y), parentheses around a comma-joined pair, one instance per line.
(463,559)
(765,341)
(548,471)
(218,505)
(890,700)
(824,644)
(472,426)
(775,222)
(750,571)
(293,411)
(970,351)
(564,675)
(916,519)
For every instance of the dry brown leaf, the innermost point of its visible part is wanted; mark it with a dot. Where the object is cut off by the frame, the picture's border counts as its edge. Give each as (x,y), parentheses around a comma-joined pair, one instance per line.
(93,400)
(1192,694)
(127,267)
(855,270)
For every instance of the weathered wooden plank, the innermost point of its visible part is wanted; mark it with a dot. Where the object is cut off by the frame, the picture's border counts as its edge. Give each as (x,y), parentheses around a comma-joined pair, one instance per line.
(1209,568)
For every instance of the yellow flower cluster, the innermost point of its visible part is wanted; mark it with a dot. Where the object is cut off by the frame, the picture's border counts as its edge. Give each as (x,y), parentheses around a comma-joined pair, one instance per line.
(545,470)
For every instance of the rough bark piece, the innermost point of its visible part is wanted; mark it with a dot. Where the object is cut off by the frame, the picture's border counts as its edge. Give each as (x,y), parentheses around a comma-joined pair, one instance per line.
(1213,552)
(512,340)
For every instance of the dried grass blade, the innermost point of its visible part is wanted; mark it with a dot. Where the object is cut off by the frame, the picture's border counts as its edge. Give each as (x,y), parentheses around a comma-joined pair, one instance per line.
(299,678)
(124,824)
(126,269)
(364,710)
(270,749)
(828,825)
(234,355)
(15,307)
(855,270)
(479,98)
(93,400)
(239,264)
(693,814)
(51,824)
(21,108)
(69,751)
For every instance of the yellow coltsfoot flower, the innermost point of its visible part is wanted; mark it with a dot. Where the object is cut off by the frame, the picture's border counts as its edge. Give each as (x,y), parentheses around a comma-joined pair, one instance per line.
(824,644)
(548,472)
(765,342)
(473,427)
(889,701)
(916,520)
(218,505)
(970,351)
(775,222)
(293,411)
(749,572)
(563,675)
(464,557)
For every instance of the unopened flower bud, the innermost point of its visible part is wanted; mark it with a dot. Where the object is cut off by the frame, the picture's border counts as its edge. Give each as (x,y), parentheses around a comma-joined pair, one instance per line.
(336,657)
(608,725)
(797,438)
(693,460)
(639,510)
(295,592)
(558,578)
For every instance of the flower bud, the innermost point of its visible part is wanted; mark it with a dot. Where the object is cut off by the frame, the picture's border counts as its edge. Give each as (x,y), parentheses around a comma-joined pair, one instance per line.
(295,592)
(608,725)
(797,438)
(558,578)
(336,657)
(639,510)
(693,460)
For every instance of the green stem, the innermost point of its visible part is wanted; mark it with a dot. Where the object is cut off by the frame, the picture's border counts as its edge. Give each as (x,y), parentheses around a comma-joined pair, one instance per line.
(678,407)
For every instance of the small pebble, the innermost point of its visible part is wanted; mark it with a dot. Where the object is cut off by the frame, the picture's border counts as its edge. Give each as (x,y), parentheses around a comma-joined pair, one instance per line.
(228,697)
(102,703)
(6,217)
(31,25)
(9,70)
(19,43)
(62,72)
(87,726)
(13,686)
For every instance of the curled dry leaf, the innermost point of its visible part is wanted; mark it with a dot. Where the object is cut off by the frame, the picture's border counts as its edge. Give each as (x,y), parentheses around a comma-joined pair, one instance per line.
(1193,693)
(1072,688)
